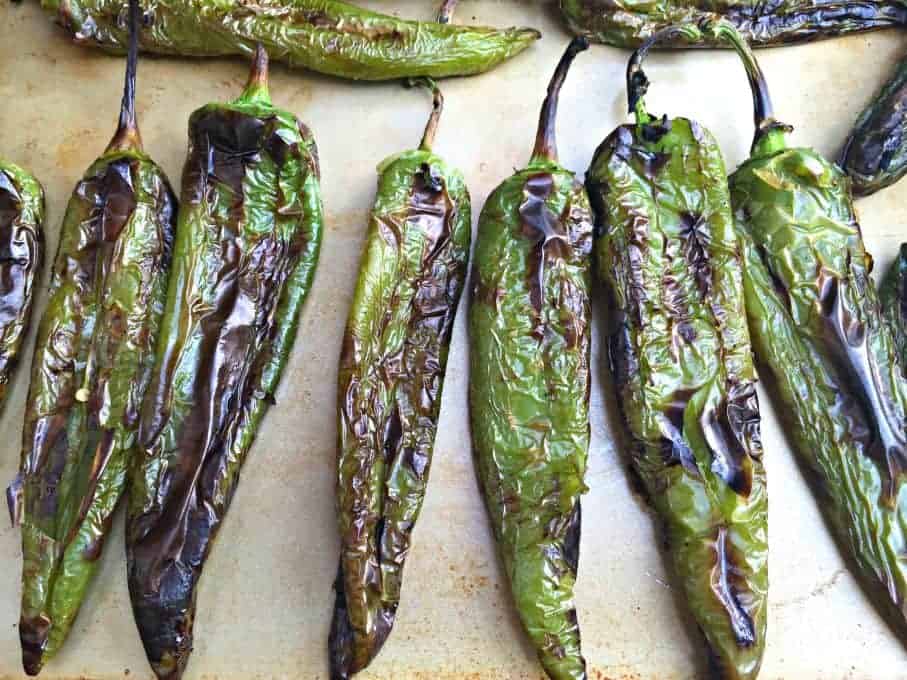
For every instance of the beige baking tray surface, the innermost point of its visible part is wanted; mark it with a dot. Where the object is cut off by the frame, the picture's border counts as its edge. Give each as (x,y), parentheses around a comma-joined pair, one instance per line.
(265,599)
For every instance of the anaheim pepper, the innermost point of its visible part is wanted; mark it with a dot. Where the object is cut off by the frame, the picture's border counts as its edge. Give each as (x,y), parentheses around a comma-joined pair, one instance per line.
(328,36)
(247,243)
(390,380)
(529,331)
(92,363)
(680,357)
(21,260)
(819,334)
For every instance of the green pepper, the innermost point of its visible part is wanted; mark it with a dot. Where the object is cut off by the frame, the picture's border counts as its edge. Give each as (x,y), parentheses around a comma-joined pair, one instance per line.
(328,36)
(630,22)
(21,259)
(390,380)
(92,363)
(247,243)
(893,296)
(529,330)
(827,354)
(875,153)
(680,357)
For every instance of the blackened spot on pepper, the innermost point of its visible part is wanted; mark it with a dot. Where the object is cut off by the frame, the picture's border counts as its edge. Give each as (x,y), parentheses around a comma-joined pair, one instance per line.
(393,432)
(653,132)
(731,430)
(33,633)
(572,538)
(674,447)
(692,230)
(847,339)
(777,284)
(541,225)
(727,584)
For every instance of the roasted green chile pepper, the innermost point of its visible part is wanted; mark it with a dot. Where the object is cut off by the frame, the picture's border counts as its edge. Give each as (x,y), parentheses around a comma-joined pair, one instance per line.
(21,259)
(893,295)
(529,384)
(828,357)
(390,381)
(92,364)
(875,154)
(681,361)
(248,237)
(630,22)
(328,36)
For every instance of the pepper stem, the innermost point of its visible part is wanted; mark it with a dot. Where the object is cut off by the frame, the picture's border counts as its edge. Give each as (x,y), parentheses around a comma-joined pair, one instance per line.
(546,137)
(437,108)
(637,82)
(127,135)
(769,135)
(445,14)
(257,84)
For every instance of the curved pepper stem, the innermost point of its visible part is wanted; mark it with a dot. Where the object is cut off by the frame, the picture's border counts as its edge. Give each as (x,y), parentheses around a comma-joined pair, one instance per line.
(637,82)
(770,134)
(546,138)
(437,108)
(127,136)
(257,84)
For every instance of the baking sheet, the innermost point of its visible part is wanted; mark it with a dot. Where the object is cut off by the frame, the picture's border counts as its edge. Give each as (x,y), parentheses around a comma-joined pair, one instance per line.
(265,600)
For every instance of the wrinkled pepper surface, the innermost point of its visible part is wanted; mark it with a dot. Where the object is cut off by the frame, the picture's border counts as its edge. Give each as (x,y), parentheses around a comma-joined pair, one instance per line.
(247,244)
(328,36)
(21,260)
(875,154)
(630,22)
(827,355)
(92,364)
(529,328)
(893,295)
(680,358)
(391,377)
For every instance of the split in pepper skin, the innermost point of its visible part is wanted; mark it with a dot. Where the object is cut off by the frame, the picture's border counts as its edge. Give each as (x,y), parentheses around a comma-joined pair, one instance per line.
(247,244)
(92,364)
(391,376)
(529,332)
(21,261)
(681,361)
(328,36)
(828,356)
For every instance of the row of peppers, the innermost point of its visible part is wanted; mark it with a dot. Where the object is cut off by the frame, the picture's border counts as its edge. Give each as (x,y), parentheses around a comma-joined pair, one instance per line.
(333,37)
(167,328)
(704,275)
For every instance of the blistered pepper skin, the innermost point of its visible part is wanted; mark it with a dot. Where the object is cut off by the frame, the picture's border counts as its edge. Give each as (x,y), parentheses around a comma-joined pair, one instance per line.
(21,260)
(680,357)
(630,22)
(248,237)
(824,349)
(893,296)
(391,377)
(92,364)
(328,36)
(529,329)
(875,154)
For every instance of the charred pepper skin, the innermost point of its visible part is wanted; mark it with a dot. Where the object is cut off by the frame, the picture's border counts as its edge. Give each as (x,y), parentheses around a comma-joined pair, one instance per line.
(893,296)
(92,363)
(529,328)
(630,22)
(680,357)
(827,354)
(327,36)
(21,260)
(390,381)
(248,237)
(875,154)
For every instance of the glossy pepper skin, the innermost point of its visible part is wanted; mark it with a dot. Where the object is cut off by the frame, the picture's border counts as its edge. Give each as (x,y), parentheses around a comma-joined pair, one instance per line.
(21,260)
(328,36)
(391,377)
(630,22)
(529,384)
(248,237)
(822,344)
(875,153)
(893,296)
(680,357)
(92,363)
